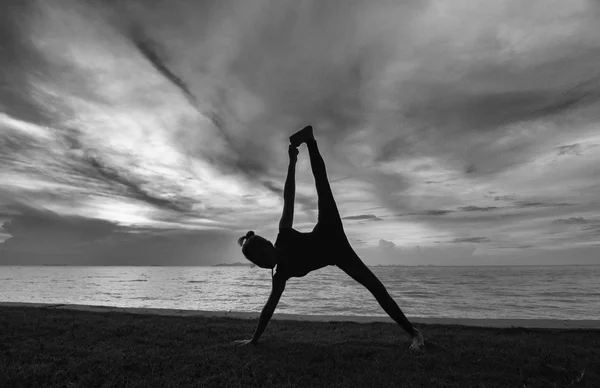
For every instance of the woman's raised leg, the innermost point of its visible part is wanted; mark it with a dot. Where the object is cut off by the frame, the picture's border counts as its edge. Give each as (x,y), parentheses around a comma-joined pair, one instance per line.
(328,211)
(358,271)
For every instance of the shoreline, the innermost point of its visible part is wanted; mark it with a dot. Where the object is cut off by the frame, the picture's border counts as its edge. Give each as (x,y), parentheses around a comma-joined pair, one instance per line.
(492,323)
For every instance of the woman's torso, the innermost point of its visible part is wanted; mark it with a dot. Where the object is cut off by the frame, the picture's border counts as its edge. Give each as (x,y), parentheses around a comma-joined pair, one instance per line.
(300,253)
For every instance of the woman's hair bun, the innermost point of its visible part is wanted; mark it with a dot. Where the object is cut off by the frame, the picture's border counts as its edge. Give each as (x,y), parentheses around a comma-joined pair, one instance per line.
(246,237)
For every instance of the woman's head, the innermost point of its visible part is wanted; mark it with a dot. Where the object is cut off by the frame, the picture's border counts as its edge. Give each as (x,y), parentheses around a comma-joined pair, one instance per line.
(258,250)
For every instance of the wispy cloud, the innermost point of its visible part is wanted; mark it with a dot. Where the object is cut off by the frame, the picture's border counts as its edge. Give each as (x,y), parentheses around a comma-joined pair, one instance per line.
(572,221)
(471,240)
(363,217)
(477,208)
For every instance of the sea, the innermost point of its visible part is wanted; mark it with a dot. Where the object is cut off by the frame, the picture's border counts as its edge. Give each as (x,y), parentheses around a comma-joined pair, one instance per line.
(513,292)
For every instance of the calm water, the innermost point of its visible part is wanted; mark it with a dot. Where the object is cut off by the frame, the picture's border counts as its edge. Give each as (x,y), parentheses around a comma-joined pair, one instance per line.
(569,292)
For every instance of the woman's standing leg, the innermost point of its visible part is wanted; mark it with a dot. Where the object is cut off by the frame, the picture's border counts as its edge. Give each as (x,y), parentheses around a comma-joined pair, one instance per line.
(356,269)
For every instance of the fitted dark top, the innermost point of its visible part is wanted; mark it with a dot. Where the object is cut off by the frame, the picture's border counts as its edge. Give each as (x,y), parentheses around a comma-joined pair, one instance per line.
(299,253)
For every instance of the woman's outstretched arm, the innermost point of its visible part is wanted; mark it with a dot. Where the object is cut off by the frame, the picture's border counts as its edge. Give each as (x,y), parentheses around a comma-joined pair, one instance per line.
(289,190)
(269,309)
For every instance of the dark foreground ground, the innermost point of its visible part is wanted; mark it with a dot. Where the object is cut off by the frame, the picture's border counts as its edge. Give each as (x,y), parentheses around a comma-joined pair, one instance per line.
(60,348)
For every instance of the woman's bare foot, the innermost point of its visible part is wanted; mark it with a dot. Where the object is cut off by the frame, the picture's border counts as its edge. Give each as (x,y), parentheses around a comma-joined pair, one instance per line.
(302,136)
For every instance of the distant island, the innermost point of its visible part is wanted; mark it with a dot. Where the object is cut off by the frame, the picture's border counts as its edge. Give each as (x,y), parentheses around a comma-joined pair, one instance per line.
(238,264)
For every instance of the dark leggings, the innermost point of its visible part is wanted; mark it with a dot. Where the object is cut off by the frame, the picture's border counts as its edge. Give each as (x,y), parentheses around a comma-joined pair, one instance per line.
(328,211)
(330,227)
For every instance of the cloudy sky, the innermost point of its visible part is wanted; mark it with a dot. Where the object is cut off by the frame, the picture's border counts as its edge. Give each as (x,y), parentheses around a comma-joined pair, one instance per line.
(156,132)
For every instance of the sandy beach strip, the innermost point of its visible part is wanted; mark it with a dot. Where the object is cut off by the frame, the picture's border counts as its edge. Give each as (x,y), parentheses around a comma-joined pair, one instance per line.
(497,323)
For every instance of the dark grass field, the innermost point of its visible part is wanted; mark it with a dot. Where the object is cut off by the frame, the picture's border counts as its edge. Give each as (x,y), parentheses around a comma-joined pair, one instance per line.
(60,348)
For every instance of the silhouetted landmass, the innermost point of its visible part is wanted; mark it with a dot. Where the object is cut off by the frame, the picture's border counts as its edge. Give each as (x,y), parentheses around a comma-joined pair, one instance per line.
(238,264)
(62,348)
(409,265)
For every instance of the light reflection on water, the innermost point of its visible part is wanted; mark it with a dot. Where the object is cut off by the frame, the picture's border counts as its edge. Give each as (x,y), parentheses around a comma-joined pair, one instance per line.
(568,292)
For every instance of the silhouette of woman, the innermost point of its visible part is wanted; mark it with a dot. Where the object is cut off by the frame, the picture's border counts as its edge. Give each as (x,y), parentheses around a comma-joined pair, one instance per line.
(295,254)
